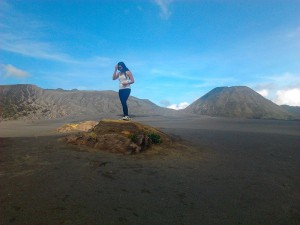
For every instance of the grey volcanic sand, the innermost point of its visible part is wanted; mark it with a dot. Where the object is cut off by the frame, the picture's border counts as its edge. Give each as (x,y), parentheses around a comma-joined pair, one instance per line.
(238,172)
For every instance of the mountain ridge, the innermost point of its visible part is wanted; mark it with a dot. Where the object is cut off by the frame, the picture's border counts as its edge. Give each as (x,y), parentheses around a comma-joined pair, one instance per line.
(26,101)
(30,102)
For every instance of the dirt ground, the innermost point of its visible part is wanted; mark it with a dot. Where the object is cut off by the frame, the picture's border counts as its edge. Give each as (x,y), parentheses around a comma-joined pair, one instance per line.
(238,172)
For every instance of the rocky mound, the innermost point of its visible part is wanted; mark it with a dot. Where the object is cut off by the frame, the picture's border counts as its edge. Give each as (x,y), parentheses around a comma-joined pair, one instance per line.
(119,136)
(72,127)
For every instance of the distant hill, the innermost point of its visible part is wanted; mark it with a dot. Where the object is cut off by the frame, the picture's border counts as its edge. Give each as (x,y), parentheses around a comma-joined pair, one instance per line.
(294,110)
(238,101)
(27,101)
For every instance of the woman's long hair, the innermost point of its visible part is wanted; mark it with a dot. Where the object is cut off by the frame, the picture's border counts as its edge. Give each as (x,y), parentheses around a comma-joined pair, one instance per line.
(124,67)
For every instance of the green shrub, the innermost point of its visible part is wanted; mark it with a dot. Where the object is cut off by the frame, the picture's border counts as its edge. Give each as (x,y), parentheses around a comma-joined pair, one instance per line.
(155,138)
(133,138)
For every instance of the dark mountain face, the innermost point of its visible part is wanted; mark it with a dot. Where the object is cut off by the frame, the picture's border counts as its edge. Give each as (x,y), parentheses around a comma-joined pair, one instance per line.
(32,102)
(294,110)
(239,101)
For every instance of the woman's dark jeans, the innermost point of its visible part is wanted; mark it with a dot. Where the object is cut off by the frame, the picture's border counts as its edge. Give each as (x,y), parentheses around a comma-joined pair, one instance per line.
(123,95)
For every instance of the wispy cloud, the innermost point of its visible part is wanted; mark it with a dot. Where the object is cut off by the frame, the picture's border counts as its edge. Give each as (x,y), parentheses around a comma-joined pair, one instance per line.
(23,34)
(277,81)
(164,6)
(33,48)
(11,71)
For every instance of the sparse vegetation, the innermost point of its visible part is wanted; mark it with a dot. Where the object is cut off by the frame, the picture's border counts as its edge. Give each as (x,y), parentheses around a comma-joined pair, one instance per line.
(93,135)
(133,138)
(155,138)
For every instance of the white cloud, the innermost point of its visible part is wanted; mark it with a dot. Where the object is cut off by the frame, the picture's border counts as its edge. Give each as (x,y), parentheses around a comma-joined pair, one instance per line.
(164,8)
(288,97)
(11,71)
(263,92)
(281,88)
(181,105)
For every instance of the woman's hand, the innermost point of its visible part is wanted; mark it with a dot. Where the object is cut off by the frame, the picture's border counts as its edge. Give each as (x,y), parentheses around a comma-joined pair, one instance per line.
(115,75)
(125,83)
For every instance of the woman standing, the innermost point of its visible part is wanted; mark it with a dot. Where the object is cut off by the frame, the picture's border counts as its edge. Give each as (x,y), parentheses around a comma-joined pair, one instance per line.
(125,79)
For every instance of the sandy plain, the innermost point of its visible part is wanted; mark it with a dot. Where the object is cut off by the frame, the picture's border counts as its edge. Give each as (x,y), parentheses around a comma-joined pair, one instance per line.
(238,171)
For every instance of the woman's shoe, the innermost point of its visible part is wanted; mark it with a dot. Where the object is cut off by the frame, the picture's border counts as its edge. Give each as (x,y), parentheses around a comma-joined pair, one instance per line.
(126,118)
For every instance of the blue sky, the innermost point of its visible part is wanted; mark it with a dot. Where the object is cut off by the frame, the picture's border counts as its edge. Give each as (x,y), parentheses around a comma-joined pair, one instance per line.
(177,50)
